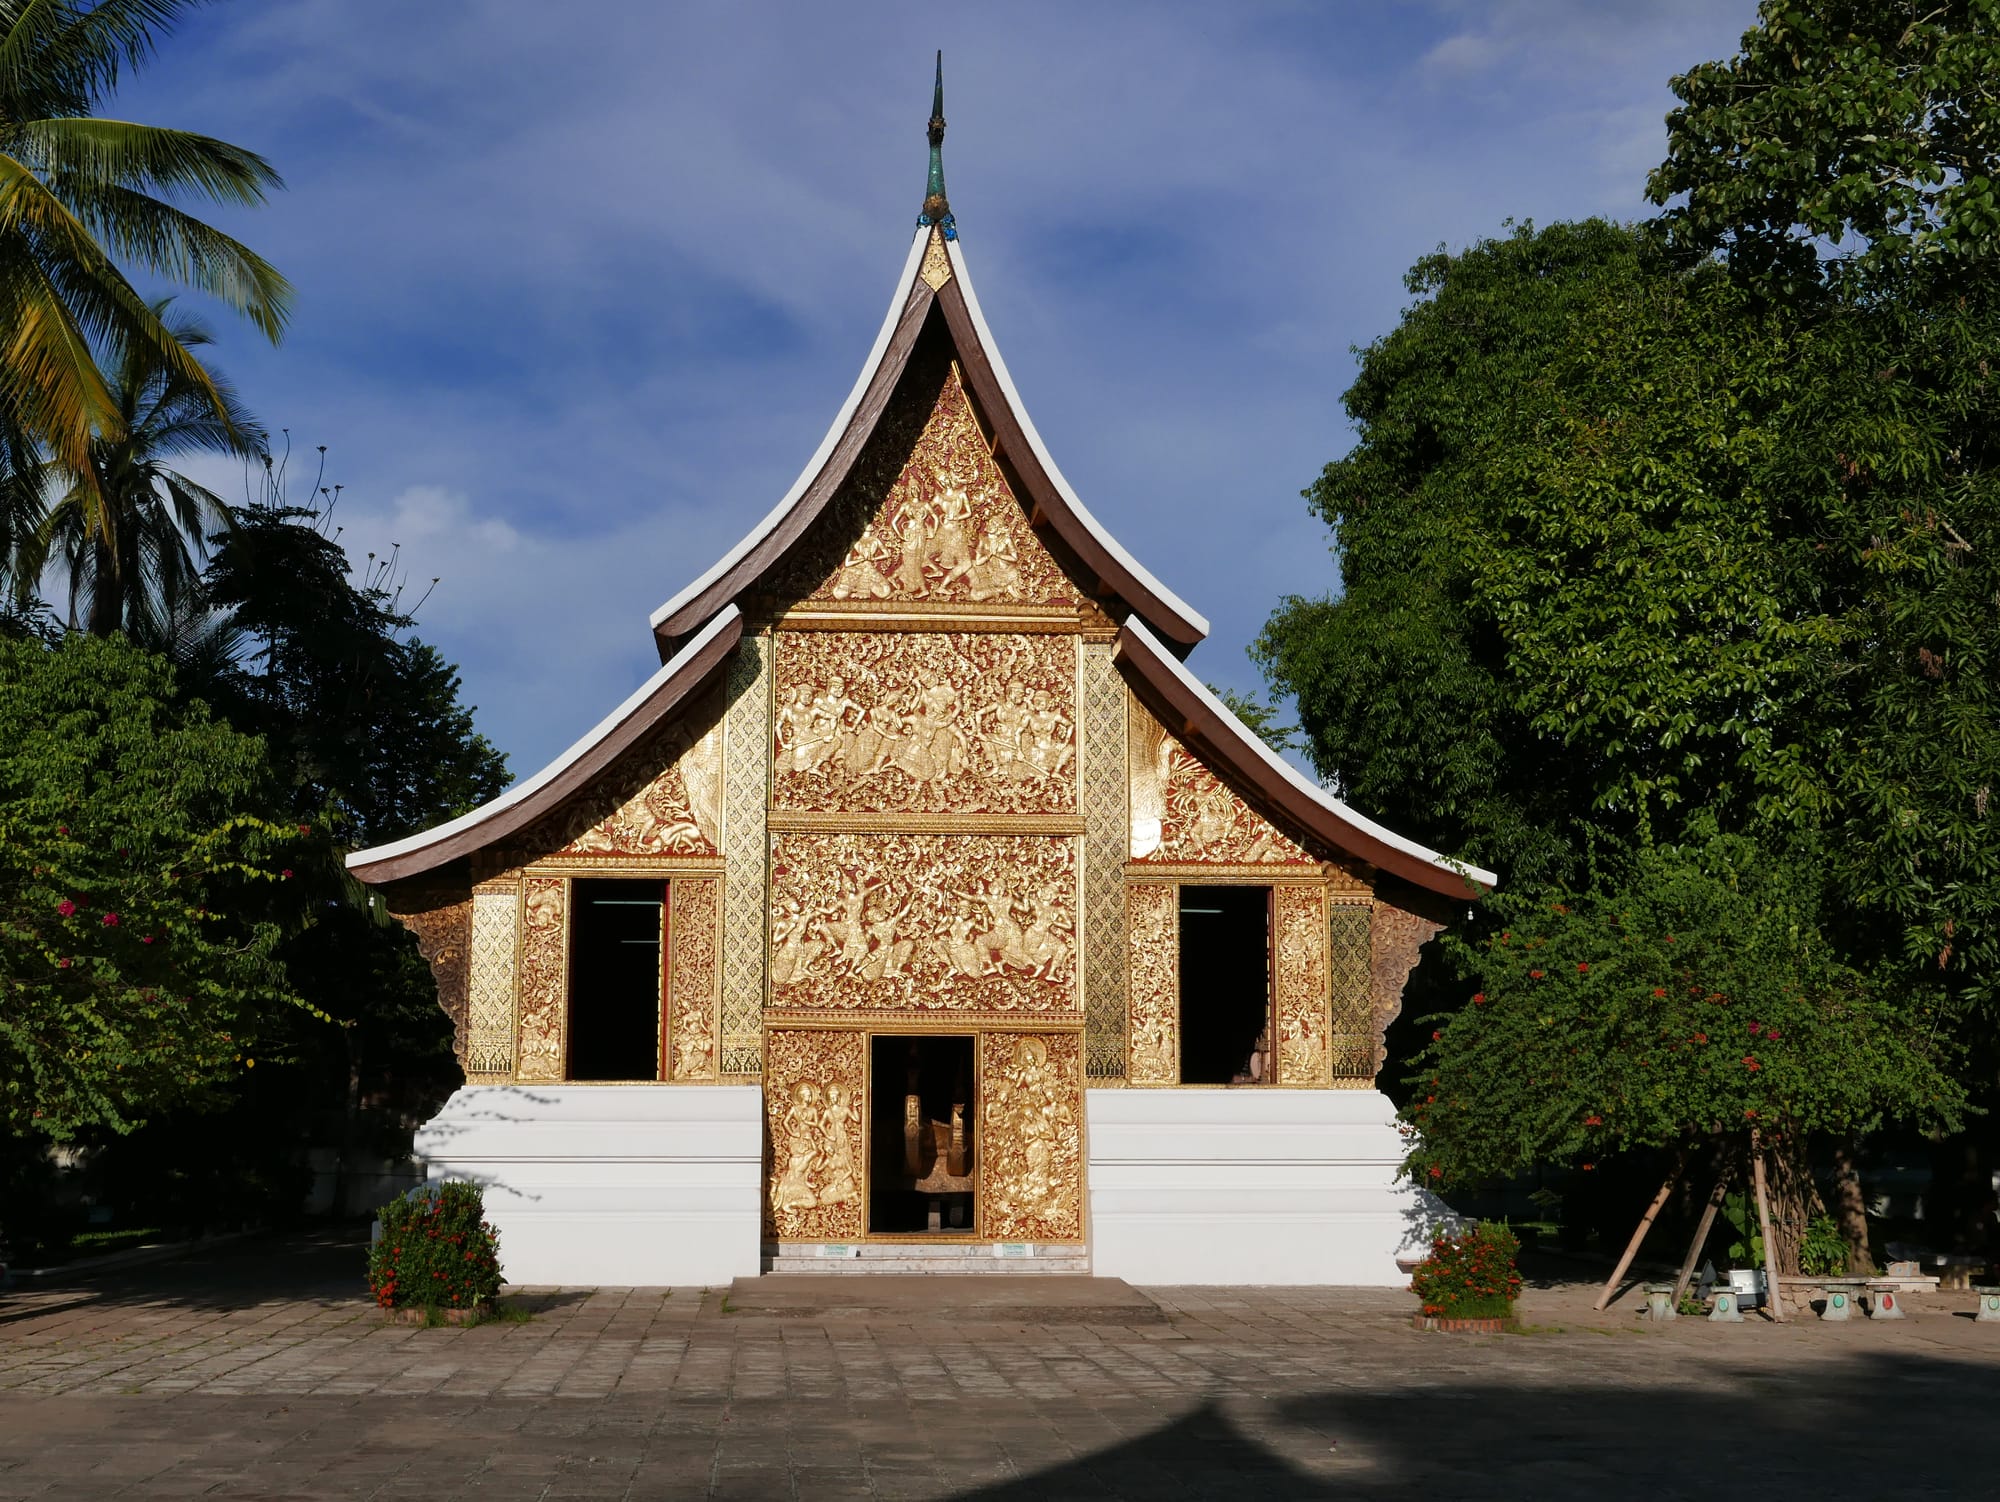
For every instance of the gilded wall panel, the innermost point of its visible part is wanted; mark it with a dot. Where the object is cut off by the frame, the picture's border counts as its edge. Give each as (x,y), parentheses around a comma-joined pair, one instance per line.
(489,1043)
(693,973)
(1031,1107)
(441,921)
(1396,940)
(925,514)
(1349,966)
(1102,781)
(544,977)
(1182,813)
(924,722)
(1152,927)
(746,789)
(924,923)
(814,1087)
(1299,924)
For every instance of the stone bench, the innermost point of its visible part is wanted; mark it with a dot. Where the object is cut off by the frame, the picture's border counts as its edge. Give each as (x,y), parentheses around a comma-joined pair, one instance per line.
(1989,1302)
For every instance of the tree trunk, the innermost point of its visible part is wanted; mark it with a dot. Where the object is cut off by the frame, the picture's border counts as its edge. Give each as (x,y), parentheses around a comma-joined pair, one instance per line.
(1774,1299)
(1850,1209)
(107,596)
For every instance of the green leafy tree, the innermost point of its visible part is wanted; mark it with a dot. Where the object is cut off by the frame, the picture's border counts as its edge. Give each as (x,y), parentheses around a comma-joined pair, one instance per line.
(131,536)
(1847,137)
(81,195)
(1701,1001)
(140,907)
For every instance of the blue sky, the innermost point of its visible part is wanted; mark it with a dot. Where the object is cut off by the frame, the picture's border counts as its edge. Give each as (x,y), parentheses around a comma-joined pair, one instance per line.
(581,285)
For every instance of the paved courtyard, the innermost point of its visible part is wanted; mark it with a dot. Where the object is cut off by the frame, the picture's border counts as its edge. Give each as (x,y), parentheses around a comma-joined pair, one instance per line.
(258,1371)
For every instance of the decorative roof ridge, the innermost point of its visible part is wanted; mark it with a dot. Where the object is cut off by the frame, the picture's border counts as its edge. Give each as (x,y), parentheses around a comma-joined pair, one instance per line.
(526,801)
(1207,719)
(937,206)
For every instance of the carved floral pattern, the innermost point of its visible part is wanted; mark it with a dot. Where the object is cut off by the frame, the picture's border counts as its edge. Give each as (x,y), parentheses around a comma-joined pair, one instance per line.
(925,514)
(544,966)
(489,1023)
(1301,926)
(1031,1109)
(1152,924)
(923,922)
(692,977)
(661,797)
(442,924)
(813,1091)
(925,722)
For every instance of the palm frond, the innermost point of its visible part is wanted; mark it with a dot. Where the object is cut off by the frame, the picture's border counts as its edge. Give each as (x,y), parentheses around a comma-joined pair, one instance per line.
(143,158)
(57,52)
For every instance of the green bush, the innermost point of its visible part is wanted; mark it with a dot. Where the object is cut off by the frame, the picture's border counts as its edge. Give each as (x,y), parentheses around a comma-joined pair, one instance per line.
(1470,1274)
(1823,1250)
(436,1250)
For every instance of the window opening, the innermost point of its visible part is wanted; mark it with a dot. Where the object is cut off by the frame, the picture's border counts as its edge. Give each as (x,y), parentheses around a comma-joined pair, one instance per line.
(921,1127)
(1225,985)
(615,945)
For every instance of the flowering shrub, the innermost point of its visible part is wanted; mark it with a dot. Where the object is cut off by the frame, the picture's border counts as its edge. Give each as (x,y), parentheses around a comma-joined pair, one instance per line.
(1470,1275)
(436,1251)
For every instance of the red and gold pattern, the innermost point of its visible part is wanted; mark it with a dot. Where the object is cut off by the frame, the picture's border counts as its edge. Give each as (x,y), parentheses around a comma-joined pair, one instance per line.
(543,972)
(692,977)
(814,1088)
(1031,1135)
(1152,930)
(1301,922)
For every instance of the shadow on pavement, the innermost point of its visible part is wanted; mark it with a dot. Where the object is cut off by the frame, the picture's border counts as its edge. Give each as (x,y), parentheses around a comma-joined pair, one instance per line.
(1877,1426)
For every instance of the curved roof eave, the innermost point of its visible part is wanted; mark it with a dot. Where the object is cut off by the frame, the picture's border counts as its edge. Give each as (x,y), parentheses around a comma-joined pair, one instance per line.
(1183,622)
(1198,714)
(662,620)
(669,686)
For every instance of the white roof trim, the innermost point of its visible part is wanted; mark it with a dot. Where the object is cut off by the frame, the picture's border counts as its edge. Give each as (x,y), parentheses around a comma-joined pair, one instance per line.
(1255,743)
(527,789)
(1091,524)
(777,514)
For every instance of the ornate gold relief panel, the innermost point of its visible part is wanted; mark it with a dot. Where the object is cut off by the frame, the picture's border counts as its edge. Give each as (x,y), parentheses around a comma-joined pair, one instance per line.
(1299,923)
(661,797)
(1102,783)
(745,898)
(1349,966)
(693,977)
(1031,1136)
(489,1023)
(925,514)
(924,722)
(544,971)
(1182,813)
(1152,928)
(924,923)
(441,921)
(815,1084)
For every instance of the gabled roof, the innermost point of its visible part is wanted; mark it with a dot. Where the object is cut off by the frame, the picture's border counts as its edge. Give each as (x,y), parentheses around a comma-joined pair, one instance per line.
(1201,721)
(1052,503)
(677,680)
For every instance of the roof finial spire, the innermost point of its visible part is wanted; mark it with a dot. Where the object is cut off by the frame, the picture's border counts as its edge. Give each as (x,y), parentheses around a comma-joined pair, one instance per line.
(937,207)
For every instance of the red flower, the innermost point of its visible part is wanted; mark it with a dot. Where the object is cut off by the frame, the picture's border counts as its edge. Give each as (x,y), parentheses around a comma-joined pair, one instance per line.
(286,874)
(1750,1063)
(305,829)
(1588,1167)
(1659,990)
(1534,975)
(146,939)
(1756,1028)
(1479,998)
(1436,1172)
(64,963)
(66,907)
(62,829)
(1751,1114)
(1593,1121)
(1770,1035)
(110,920)
(1583,967)
(1701,1037)
(1435,1035)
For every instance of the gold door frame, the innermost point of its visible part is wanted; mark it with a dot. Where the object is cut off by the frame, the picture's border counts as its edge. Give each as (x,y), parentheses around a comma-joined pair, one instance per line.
(869,1034)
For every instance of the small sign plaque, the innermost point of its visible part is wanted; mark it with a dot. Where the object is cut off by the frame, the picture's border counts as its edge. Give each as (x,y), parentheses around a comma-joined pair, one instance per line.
(1013,1249)
(834,1250)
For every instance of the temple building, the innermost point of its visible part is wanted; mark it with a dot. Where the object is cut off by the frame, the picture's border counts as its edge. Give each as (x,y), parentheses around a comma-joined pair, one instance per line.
(923,910)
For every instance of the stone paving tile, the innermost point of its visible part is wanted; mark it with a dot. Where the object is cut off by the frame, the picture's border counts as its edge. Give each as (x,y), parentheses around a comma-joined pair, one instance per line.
(259,1372)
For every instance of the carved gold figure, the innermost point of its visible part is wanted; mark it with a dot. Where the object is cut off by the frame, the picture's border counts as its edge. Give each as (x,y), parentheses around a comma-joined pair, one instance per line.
(1182,813)
(1030,1087)
(544,978)
(1301,983)
(926,722)
(692,977)
(925,514)
(812,1105)
(924,922)
(663,797)
(1152,926)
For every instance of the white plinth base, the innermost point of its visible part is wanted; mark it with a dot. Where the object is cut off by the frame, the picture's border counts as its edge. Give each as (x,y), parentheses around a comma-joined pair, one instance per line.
(1249,1186)
(623,1185)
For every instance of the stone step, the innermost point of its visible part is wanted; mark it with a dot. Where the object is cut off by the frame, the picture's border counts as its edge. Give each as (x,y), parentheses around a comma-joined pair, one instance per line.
(959,1258)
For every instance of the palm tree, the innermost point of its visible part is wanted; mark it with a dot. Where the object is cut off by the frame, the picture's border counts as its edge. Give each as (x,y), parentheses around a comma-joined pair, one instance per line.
(79,194)
(131,534)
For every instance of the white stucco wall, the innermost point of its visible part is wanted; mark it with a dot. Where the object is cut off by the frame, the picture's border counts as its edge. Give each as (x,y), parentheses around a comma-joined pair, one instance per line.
(610,1184)
(1249,1186)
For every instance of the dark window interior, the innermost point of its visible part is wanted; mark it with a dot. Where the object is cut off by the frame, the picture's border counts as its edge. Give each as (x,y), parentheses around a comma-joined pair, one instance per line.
(1225,985)
(922,1174)
(614,979)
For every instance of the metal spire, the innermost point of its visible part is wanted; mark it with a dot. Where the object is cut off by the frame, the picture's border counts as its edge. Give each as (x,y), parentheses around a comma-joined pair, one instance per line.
(937,207)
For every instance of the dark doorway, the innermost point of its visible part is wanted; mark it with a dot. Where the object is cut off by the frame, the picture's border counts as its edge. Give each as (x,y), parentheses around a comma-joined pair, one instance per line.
(1225,985)
(920,1122)
(614,979)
